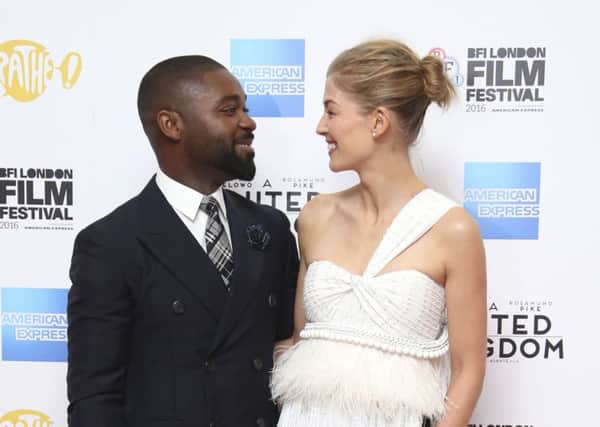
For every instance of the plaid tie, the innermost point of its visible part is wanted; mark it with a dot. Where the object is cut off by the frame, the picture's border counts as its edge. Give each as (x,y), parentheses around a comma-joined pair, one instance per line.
(217,243)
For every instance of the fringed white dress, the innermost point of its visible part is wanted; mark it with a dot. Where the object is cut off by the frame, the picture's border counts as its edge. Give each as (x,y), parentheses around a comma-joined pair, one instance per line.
(374,351)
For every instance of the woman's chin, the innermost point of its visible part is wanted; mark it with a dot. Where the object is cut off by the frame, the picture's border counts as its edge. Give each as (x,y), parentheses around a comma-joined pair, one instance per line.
(337,167)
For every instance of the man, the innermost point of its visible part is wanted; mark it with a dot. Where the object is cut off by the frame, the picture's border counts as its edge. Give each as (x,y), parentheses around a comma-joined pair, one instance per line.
(166,327)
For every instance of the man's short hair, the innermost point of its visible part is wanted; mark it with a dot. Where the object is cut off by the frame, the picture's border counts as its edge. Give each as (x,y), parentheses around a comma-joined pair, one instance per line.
(159,88)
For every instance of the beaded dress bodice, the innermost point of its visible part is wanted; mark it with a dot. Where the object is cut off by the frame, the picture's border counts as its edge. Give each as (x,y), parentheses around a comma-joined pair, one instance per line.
(401,311)
(374,345)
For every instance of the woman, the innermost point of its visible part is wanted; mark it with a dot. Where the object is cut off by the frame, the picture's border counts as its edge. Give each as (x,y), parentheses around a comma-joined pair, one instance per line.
(390,310)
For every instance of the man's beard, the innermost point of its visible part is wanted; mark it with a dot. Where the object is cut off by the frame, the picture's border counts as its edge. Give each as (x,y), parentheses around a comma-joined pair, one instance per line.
(238,166)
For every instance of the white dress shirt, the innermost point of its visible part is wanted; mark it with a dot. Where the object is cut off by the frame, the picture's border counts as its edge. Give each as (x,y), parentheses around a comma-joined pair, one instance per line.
(186,203)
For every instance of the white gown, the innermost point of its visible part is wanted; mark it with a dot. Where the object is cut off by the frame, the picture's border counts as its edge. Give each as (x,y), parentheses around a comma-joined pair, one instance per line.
(374,351)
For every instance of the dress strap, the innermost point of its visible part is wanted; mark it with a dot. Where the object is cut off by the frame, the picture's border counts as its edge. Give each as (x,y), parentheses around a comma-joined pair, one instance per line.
(412,221)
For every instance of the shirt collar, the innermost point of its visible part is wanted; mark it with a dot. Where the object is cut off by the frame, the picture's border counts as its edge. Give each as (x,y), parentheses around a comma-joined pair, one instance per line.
(185,199)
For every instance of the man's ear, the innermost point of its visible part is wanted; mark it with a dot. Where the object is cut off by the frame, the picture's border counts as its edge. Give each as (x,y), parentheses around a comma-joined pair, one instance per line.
(170,124)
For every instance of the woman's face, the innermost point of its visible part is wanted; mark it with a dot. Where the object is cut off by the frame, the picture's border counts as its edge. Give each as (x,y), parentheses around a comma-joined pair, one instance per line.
(346,130)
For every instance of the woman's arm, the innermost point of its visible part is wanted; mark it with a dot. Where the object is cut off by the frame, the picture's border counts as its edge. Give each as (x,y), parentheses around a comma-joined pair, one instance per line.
(466,304)
(299,316)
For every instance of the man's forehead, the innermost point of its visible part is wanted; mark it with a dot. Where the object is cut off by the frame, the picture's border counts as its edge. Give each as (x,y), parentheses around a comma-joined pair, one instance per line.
(217,83)
(218,78)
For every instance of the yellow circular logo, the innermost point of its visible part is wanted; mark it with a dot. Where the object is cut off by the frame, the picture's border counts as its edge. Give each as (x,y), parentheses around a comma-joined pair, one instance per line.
(26,67)
(26,418)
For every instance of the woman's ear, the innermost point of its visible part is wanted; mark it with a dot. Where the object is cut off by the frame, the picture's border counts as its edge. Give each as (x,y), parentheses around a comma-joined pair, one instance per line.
(381,121)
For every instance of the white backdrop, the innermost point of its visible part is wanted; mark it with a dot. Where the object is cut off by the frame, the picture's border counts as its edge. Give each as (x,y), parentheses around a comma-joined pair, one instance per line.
(92,129)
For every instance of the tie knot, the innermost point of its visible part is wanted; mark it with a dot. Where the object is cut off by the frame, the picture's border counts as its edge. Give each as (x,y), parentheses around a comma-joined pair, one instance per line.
(209,205)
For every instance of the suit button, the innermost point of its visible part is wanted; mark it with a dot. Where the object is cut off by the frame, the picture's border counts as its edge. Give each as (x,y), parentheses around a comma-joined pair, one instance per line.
(258,364)
(272,300)
(260,422)
(178,307)
(210,366)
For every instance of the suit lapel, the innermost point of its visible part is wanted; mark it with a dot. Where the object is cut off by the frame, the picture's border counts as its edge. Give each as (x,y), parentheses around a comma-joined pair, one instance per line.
(247,266)
(169,240)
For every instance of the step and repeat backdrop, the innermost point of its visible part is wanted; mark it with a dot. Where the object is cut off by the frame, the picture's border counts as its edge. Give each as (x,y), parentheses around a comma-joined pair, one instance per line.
(518,149)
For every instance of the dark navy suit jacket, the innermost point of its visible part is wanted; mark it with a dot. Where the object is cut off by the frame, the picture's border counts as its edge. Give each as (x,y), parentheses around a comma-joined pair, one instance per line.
(154,338)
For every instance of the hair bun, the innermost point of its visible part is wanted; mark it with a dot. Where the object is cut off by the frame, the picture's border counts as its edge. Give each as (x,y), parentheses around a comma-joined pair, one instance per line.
(438,87)
(387,73)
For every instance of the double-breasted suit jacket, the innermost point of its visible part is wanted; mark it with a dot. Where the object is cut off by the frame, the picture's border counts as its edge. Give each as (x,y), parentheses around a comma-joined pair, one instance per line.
(154,338)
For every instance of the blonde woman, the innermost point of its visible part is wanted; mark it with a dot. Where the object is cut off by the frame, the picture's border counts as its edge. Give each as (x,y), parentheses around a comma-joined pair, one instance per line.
(390,321)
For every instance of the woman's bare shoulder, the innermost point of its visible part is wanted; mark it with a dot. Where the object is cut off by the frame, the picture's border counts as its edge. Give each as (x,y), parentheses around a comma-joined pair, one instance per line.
(459,232)
(459,224)
(317,211)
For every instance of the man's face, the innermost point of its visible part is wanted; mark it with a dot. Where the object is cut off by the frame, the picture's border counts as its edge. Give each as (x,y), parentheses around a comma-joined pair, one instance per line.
(218,130)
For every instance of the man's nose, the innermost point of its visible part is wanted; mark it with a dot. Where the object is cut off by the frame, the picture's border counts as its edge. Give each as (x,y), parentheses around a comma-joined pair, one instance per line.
(248,122)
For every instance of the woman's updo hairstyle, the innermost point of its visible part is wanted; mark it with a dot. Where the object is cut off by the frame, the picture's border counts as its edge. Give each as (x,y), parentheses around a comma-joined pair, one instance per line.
(387,73)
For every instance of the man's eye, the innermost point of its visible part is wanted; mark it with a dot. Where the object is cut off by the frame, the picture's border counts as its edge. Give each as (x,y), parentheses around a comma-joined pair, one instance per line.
(230,110)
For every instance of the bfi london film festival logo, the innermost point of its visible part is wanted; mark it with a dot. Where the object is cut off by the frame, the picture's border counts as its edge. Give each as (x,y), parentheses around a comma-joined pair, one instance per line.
(523,330)
(27,68)
(499,79)
(36,198)
(504,198)
(34,324)
(505,79)
(288,194)
(25,418)
(271,72)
